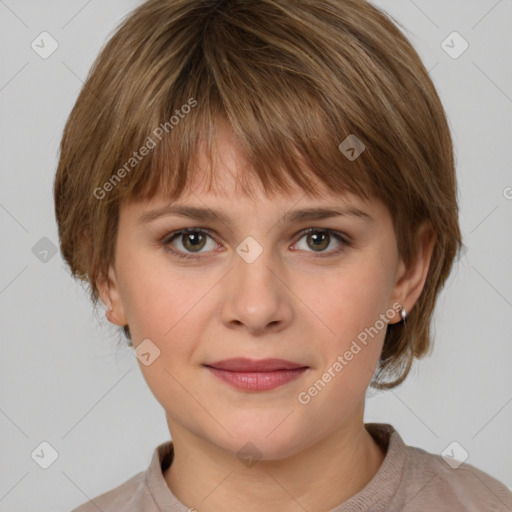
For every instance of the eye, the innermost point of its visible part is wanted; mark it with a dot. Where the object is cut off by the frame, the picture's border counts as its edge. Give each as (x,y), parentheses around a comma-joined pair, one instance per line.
(319,239)
(192,240)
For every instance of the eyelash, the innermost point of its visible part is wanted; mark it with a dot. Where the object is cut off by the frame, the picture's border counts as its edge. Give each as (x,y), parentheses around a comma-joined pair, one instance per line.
(171,236)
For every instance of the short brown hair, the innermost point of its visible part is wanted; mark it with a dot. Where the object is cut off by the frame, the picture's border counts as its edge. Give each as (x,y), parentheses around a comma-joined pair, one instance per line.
(292,79)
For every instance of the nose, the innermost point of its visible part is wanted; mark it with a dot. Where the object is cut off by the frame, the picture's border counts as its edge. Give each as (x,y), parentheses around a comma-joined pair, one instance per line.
(255,296)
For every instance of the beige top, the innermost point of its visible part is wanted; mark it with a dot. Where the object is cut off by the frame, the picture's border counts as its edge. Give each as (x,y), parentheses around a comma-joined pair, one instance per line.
(409,480)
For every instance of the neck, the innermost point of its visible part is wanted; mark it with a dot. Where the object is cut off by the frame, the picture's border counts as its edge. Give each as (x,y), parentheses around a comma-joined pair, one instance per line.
(319,478)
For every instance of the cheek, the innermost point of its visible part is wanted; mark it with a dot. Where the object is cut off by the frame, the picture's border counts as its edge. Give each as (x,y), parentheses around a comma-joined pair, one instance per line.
(156,298)
(346,301)
(351,312)
(164,307)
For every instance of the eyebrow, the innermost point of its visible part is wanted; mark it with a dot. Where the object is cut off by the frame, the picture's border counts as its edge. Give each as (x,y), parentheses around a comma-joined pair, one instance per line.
(294,216)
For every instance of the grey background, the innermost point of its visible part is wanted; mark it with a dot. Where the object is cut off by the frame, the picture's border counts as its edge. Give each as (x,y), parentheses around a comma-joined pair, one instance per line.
(63,380)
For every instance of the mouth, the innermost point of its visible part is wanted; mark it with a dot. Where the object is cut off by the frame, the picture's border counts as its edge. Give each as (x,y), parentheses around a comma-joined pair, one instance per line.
(242,364)
(256,375)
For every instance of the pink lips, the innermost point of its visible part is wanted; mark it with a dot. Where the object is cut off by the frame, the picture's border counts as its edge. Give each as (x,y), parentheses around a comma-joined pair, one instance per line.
(256,375)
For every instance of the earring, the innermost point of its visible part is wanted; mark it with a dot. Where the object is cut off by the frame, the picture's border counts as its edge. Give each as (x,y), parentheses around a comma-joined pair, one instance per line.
(403,314)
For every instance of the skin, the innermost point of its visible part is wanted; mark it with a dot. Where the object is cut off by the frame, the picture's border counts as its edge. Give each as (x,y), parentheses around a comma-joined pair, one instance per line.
(291,303)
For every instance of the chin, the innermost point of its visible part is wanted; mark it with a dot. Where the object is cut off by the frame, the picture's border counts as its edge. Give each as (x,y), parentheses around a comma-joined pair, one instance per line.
(262,442)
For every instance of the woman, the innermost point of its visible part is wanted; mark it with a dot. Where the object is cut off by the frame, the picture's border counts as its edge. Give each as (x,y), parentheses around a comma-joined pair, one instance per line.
(263,195)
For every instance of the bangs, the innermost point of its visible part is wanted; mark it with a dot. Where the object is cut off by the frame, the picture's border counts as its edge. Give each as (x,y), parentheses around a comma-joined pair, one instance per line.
(279,155)
(288,121)
(281,150)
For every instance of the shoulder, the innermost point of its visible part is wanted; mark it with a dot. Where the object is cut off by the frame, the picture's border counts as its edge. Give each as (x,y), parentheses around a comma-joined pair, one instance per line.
(141,491)
(117,499)
(433,481)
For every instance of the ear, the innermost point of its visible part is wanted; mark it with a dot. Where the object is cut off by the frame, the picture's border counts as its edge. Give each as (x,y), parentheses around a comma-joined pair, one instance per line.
(409,281)
(108,290)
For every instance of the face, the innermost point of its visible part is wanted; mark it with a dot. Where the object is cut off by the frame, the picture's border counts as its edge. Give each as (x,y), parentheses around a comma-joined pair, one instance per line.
(257,285)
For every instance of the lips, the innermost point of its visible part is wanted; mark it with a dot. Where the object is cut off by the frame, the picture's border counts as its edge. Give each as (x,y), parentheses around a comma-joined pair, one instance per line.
(242,364)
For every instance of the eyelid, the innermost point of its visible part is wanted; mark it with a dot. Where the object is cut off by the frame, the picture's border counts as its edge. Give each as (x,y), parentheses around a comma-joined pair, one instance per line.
(169,235)
(173,234)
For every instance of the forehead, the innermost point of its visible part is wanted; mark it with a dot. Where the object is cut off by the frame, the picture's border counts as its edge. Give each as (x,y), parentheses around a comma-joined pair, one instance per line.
(225,194)
(236,188)
(234,177)
(230,207)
